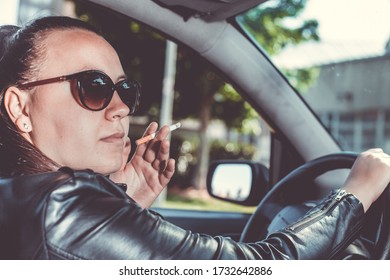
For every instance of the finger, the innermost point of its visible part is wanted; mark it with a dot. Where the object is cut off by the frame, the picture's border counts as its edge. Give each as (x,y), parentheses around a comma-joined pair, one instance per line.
(152,127)
(163,133)
(158,147)
(374,150)
(163,153)
(160,158)
(167,174)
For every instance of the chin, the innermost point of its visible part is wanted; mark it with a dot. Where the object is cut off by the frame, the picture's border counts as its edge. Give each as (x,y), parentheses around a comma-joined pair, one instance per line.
(105,169)
(108,169)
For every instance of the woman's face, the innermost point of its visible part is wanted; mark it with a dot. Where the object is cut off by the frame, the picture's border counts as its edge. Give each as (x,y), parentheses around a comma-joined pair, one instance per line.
(66,132)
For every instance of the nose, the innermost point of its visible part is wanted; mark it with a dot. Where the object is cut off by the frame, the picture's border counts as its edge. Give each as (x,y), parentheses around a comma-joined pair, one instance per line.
(116,108)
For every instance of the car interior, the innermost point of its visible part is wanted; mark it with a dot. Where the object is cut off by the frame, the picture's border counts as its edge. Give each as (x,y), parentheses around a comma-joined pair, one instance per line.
(305,161)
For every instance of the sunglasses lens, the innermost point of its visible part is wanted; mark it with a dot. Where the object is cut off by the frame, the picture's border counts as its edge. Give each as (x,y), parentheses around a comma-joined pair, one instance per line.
(129,93)
(96,90)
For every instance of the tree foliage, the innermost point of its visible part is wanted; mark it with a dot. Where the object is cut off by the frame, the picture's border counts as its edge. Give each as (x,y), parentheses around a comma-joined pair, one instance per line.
(141,51)
(142,54)
(275,27)
(199,91)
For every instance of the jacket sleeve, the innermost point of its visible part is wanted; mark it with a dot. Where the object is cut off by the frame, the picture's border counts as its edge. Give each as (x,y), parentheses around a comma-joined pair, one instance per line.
(89,217)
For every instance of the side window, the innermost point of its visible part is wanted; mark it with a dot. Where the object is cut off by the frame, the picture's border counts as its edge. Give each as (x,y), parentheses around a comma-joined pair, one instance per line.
(217,124)
(340,65)
(233,135)
(180,86)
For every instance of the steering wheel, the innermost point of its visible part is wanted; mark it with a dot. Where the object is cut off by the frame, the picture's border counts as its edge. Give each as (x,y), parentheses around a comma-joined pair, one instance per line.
(257,225)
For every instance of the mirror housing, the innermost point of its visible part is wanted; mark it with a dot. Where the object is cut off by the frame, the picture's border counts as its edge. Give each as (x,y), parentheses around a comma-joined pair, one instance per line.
(238,181)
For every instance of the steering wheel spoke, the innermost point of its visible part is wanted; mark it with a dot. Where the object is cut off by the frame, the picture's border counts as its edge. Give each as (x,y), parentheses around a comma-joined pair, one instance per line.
(258,225)
(260,221)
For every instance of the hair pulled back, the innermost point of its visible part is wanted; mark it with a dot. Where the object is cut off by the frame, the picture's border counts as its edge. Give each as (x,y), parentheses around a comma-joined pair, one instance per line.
(21,53)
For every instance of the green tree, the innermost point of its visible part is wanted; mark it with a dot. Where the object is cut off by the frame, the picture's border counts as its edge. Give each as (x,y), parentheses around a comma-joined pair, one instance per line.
(275,25)
(209,97)
(199,92)
(270,25)
(141,51)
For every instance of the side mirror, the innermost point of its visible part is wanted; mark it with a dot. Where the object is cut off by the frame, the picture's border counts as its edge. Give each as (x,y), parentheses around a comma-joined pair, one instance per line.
(241,182)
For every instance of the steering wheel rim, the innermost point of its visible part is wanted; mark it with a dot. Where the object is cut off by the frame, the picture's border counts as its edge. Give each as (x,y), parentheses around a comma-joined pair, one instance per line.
(309,171)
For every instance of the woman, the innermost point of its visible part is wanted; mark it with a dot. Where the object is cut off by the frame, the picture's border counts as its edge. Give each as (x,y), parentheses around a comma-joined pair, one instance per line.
(65,102)
(68,127)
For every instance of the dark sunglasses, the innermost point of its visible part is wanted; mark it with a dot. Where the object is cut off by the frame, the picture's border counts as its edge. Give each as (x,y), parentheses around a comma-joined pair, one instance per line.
(95,89)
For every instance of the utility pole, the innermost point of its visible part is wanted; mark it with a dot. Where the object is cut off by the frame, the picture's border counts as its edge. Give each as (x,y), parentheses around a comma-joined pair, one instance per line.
(167,97)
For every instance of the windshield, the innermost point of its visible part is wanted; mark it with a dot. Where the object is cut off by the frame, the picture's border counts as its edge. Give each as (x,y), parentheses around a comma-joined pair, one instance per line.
(336,54)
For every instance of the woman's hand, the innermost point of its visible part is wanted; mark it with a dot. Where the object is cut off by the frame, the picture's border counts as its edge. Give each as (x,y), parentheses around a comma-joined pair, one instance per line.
(149,170)
(369,176)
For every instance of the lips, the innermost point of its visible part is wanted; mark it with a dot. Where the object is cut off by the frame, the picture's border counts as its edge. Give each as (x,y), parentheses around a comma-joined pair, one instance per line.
(115,138)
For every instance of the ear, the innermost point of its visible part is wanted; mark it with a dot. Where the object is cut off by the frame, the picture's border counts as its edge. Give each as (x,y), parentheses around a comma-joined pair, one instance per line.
(16,103)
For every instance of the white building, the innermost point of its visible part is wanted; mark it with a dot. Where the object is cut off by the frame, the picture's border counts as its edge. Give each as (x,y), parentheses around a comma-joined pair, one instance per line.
(352,98)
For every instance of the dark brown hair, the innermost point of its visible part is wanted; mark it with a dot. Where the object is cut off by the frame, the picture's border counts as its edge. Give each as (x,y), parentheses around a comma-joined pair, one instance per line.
(21,53)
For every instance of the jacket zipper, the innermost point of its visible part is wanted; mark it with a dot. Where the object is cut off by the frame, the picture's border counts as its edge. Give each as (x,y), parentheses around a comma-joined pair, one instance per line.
(320,214)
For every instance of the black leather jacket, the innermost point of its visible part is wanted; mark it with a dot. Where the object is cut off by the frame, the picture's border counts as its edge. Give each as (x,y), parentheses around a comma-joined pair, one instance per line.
(83,215)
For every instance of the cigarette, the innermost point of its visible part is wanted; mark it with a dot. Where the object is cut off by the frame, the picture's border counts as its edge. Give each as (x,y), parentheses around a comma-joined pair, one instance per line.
(151,136)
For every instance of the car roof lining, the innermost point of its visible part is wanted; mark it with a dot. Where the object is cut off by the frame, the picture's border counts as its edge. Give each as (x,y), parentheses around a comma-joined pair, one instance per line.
(208,10)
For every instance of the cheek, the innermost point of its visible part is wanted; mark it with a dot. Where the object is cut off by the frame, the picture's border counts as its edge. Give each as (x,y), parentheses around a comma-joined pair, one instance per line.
(53,116)
(70,135)
(51,101)
(62,134)
(60,126)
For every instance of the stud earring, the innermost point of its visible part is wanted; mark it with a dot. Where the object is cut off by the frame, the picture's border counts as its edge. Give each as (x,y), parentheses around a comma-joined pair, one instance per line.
(26,126)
